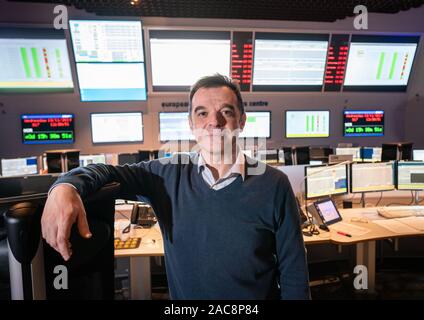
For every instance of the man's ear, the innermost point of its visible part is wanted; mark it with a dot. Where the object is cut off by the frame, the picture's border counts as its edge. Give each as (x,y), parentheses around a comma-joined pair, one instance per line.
(243,121)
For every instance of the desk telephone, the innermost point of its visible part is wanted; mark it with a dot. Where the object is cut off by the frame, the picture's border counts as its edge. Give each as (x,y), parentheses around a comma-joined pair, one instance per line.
(143,215)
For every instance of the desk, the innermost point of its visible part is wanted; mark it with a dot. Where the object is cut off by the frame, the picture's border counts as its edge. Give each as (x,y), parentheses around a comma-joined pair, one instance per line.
(366,244)
(140,281)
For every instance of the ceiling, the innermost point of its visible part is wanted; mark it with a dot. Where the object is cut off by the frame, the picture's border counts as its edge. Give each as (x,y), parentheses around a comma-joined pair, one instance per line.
(294,10)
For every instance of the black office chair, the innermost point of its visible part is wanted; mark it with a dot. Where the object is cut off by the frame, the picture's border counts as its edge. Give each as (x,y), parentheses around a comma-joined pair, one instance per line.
(296,155)
(91,267)
(143,155)
(396,151)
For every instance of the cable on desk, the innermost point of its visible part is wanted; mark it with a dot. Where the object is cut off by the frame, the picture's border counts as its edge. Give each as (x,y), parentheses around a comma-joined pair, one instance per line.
(379,200)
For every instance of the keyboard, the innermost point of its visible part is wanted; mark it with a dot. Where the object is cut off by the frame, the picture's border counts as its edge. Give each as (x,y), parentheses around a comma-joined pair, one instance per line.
(401,212)
(131,243)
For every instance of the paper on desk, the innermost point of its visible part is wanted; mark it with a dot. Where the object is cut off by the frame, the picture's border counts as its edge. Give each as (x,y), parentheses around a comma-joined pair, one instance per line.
(416,223)
(395,226)
(349,228)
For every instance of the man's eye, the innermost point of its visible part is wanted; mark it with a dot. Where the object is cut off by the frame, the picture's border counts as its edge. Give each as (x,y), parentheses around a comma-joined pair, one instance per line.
(228,113)
(201,114)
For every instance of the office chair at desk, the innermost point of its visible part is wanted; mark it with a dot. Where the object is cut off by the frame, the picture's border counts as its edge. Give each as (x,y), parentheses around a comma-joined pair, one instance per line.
(35,266)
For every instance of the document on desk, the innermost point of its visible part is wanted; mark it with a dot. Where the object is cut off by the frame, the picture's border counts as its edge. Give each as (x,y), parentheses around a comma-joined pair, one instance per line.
(349,228)
(395,226)
(413,222)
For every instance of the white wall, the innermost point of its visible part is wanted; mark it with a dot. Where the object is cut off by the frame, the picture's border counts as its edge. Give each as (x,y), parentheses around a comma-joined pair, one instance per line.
(403,110)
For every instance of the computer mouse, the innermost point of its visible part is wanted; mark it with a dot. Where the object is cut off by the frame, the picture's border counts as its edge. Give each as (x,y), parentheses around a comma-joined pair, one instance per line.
(149,241)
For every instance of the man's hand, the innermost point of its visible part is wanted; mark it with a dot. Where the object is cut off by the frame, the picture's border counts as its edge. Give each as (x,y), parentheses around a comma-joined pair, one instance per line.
(63,208)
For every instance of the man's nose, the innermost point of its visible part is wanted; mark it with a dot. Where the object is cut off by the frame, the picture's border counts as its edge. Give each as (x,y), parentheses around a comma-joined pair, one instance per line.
(216,120)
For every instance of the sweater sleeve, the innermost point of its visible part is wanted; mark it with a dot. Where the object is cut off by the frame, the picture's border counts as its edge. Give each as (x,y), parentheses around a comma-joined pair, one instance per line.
(141,178)
(290,248)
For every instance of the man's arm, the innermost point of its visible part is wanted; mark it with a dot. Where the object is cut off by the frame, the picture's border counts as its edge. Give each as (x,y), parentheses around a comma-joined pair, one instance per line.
(64,206)
(291,252)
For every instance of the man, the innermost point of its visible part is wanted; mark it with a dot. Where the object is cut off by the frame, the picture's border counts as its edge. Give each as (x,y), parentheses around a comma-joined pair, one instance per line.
(227,234)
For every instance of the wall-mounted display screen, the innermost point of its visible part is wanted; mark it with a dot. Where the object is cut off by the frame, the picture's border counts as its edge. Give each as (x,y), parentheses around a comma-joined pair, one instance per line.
(117,127)
(180,57)
(258,125)
(174,126)
(34,60)
(307,124)
(110,59)
(289,62)
(380,63)
(363,123)
(47,128)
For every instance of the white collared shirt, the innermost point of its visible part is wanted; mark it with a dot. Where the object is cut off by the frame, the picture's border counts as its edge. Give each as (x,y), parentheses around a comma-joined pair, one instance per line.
(237,169)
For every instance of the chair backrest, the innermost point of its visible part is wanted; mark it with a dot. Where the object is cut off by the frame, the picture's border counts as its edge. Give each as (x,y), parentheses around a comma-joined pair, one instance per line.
(302,155)
(33,272)
(396,151)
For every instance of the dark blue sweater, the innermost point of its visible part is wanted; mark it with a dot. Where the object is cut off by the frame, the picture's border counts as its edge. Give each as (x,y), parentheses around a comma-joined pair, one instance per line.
(240,242)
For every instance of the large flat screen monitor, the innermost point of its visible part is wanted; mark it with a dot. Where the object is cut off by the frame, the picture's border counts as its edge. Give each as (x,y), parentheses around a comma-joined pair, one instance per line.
(110,59)
(410,175)
(307,124)
(325,180)
(47,128)
(19,166)
(289,62)
(174,126)
(258,125)
(365,123)
(368,177)
(34,60)
(380,63)
(117,127)
(180,57)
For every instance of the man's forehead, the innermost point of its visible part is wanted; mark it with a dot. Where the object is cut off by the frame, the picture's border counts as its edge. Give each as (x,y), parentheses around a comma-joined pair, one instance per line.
(215,95)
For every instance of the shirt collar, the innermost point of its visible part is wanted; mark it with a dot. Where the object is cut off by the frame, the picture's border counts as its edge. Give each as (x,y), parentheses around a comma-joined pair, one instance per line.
(237,168)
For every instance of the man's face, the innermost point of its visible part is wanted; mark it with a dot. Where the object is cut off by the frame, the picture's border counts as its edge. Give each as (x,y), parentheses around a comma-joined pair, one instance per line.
(214,118)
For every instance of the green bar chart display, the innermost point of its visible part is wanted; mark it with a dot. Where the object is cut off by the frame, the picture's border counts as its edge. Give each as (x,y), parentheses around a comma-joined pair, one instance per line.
(35,65)
(379,64)
(307,124)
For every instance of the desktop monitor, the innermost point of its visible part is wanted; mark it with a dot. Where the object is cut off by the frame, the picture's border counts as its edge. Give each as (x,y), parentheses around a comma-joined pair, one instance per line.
(365,123)
(325,180)
(258,125)
(354,151)
(174,126)
(35,60)
(308,124)
(85,160)
(19,166)
(379,63)
(109,56)
(180,57)
(418,155)
(289,61)
(371,154)
(410,175)
(117,127)
(47,128)
(369,177)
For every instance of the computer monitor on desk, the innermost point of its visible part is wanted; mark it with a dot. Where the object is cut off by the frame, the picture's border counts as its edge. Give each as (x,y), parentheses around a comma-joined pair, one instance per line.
(325,180)
(369,177)
(371,154)
(418,155)
(18,166)
(354,151)
(85,160)
(410,175)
